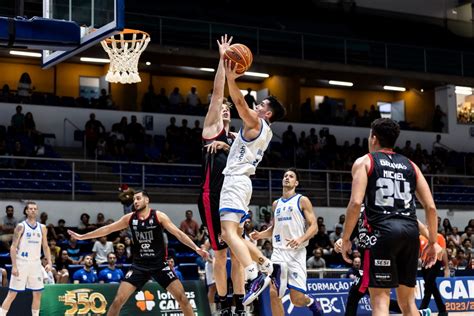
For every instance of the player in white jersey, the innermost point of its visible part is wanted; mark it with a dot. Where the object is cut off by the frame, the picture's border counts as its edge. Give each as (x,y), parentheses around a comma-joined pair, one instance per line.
(245,154)
(27,273)
(294,224)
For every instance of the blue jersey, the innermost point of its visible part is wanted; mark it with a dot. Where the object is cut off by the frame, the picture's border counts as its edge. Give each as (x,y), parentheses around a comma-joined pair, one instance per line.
(85,277)
(111,276)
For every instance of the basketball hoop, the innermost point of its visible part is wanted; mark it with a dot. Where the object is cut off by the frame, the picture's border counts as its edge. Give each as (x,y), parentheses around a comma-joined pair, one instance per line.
(124,50)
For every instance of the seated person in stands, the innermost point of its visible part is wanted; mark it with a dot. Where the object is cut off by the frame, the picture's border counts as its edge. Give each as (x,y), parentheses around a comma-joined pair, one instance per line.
(316,261)
(84,225)
(74,251)
(176,271)
(100,220)
(121,254)
(7,225)
(3,277)
(54,249)
(61,230)
(87,274)
(62,267)
(111,274)
(353,271)
(101,249)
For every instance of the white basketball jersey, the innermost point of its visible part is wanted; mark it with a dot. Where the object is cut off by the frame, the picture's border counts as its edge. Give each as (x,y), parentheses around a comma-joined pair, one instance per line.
(289,222)
(29,248)
(245,155)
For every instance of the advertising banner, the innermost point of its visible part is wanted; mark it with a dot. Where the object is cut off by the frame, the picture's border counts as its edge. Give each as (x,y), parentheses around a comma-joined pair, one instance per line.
(457,293)
(95,299)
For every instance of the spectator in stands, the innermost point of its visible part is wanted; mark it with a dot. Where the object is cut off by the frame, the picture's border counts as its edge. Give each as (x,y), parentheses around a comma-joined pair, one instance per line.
(467,246)
(175,269)
(93,131)
(84,224)
(267,249)
(50,276)
(101,249)
(24,87)
(467,235)
(30,125)
(374,113)
(306,111)
(100,220)
(342,219)
(18,151)
(289,142)
(453,248)
(209,96)
(135,131)
(172,132)
(354,270)
(438,119)
(454,236)
(320,221)
(316,261)
(3,277)
(62,267)
(9,223)
(203,235)
(5,93)
(18,121)
(249,98)
(50,226)
(74,251)
(196,141)
(189,226)
(461,259)
(267,220)
(105,100)
(192,99)
(61,230)
(176,99)
(121,254)
(352,118)
(185,138)
(408,150)
(54,249)
(447,226)
(126,198)
(149,102)
(336,234)
(111,274)
(127,241)
(438,147)
(87,274)
(163,101)
(321,240)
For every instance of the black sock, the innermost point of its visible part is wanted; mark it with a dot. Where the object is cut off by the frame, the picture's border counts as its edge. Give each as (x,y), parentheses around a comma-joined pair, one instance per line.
(238,298)
(223,302)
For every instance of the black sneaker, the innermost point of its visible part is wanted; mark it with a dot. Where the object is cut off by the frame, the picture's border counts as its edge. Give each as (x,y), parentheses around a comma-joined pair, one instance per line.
(257,286)
(225,312)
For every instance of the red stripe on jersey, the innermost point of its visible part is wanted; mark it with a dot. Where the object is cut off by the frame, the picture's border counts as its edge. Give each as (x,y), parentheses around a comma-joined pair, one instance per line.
(206,201)
(371,169)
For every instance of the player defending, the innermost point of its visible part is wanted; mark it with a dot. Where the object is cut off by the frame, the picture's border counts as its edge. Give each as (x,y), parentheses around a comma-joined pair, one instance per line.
(245,154)
(149,252)
(294,224)
(217,141)
(388,182)
(27,273)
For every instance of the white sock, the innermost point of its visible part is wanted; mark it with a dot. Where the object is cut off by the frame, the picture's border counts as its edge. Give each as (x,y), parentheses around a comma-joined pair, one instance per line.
(251,272)
(311,301)
(3,312)
(35,312)
(266,266)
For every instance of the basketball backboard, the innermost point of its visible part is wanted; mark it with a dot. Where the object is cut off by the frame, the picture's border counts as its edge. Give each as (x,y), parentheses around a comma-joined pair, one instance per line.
(98,20)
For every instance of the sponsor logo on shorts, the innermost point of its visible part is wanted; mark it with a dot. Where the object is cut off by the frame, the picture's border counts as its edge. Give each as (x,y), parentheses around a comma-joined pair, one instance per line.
(129,274)
(383,276)
(382,263)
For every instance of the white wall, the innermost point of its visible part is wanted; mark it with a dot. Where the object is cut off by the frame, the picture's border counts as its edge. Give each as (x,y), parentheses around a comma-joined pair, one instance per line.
(50,119)
(70,211)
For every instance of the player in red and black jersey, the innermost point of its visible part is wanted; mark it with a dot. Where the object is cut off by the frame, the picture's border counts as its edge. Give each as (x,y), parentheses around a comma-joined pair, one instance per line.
(387,182)
(216,144)
(149,252)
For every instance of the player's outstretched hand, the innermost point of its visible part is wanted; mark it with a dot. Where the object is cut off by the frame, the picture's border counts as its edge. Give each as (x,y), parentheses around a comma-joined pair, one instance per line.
(75,235)
(224,44)
(255,235)
(231,72)
(429,253)
(338,245)
(203,253)
(346,249)
(217,145)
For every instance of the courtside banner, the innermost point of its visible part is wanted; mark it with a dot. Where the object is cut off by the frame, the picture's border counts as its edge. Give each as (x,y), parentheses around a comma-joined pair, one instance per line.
(95,299)
(457,293)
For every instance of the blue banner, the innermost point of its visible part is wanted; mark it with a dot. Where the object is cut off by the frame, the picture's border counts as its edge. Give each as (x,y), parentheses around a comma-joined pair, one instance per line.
(457,294)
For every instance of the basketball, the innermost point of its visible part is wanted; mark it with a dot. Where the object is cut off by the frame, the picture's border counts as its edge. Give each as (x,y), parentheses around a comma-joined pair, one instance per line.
(240,56)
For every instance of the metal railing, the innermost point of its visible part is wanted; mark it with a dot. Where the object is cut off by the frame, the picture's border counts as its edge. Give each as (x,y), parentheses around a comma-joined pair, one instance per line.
(95,179)
(180,32)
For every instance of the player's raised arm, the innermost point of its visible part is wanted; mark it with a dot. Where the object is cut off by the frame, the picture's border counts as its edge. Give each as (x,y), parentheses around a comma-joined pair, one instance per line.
(213,123)
(122,223)
(249,116)
(182,237)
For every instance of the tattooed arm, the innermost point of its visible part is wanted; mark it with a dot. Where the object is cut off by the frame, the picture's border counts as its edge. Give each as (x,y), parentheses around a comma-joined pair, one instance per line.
(13,249)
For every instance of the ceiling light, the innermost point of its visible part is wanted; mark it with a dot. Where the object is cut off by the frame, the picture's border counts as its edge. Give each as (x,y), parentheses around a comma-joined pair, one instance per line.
(341,83)
(422,90)
(95,60)
(148,63)
(394,88)
(207,69)
(22,53)
(256,74)
(463,90)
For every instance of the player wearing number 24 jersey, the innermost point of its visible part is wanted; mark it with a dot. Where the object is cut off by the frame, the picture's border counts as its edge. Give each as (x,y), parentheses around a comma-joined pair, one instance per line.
(387,183)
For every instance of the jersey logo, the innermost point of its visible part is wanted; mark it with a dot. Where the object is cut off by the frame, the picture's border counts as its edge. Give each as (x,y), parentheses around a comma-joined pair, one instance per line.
(277,238)
(135,222)
(382,263)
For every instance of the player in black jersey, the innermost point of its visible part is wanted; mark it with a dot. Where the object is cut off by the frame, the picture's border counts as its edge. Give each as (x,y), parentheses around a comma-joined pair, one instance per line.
(149,252)
(386,182)
(216,144)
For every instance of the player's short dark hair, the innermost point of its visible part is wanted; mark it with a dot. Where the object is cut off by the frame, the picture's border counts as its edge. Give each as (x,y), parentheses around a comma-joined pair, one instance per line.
(386,130)
(143,192)
(278,110)
(29,203)
(8,206)
(297,174)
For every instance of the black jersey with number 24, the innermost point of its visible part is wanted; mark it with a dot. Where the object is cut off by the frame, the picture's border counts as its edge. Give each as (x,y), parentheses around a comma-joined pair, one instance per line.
(390,192)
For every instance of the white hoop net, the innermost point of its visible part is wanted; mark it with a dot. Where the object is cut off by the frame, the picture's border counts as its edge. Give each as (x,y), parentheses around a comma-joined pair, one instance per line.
(124,50)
